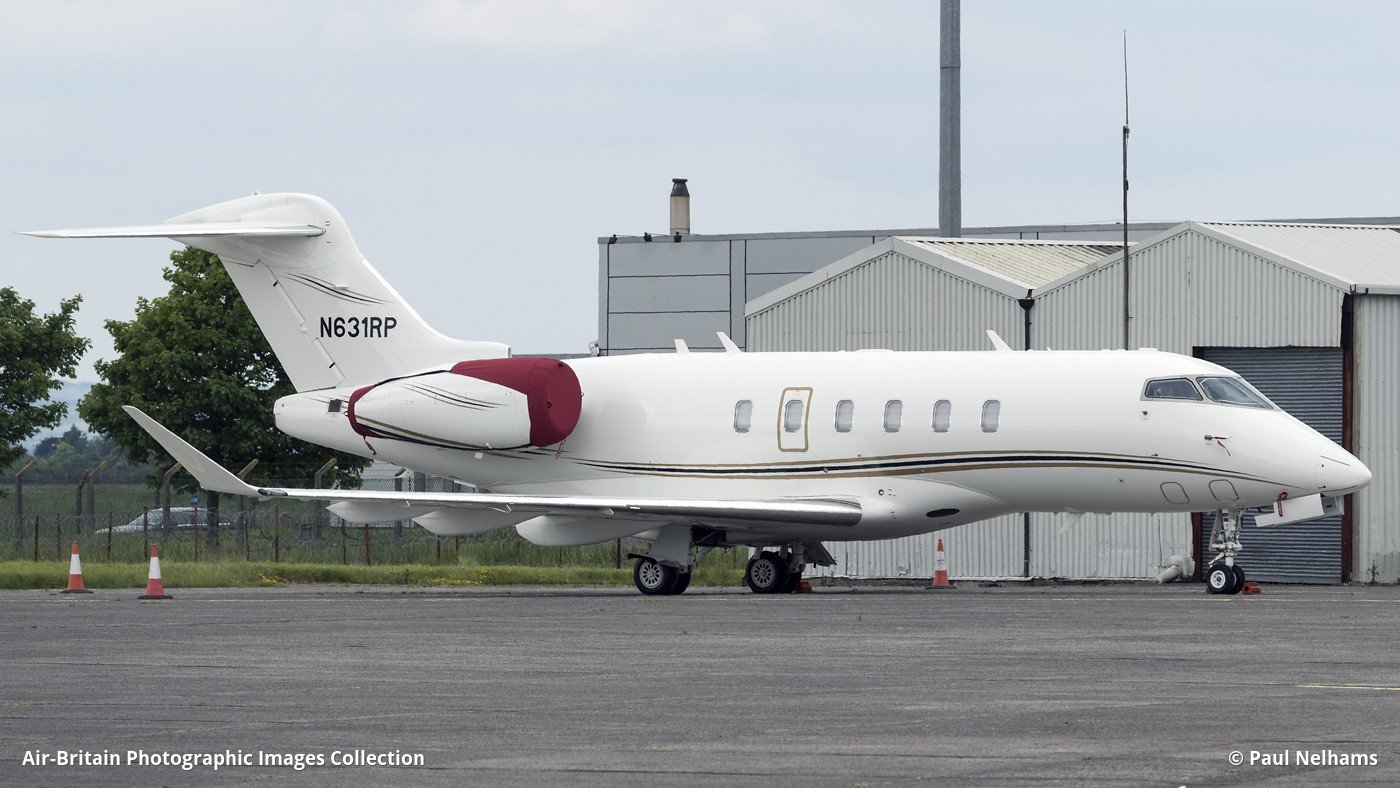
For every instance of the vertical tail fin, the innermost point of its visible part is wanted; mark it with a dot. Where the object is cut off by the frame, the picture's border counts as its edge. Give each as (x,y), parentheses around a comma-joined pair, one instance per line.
(330,317)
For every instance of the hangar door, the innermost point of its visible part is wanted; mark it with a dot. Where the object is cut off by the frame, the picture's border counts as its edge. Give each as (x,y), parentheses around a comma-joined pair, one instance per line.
(1306,382)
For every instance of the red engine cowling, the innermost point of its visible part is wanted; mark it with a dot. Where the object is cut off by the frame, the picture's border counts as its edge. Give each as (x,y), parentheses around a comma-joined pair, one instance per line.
(494,403)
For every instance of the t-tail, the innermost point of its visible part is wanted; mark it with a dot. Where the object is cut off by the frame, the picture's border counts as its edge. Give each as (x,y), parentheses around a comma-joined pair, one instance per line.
(330,317)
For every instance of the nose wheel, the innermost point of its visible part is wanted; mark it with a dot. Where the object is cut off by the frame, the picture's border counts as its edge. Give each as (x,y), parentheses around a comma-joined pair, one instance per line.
(1224,576)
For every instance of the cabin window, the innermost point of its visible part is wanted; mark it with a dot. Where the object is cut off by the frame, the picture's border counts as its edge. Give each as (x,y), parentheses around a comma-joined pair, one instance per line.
(991,415)
(942,415)
(845,415)
(1171,388)
(1234,391)
(894,414)
(743,415)
(792,415)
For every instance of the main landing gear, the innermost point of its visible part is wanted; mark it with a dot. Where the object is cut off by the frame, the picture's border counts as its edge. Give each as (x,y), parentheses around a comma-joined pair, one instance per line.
(776,572)
(1223,575)
(677,550)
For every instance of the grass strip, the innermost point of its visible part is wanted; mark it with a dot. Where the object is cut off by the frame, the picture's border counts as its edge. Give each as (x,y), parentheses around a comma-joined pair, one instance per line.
(239,574)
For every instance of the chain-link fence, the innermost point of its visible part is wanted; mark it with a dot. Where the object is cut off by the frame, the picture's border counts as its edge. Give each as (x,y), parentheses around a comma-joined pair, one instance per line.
(119,523)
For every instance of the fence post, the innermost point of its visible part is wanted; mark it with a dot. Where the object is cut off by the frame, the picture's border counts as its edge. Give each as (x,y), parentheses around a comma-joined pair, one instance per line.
(145,531)
(36,538)
(165,524)
(276,533)
(19,503)
(243,508)
(196,532)
(319,504)
(109,534)
(457,549)
(91,516)
(58,535)
(367,563)
(617,554)
(438,540)
(398,487)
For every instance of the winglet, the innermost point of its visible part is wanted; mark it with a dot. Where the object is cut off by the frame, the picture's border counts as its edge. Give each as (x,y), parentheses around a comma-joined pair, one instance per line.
(998,342)
(729,346)
(210,474)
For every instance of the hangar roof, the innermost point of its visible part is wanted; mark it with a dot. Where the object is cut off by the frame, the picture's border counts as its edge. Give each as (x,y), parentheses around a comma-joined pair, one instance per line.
(1032,263)
(1011,267)
(1360,256)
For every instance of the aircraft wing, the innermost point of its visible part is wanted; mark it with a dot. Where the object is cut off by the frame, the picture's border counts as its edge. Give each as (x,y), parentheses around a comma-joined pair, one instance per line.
(374,505)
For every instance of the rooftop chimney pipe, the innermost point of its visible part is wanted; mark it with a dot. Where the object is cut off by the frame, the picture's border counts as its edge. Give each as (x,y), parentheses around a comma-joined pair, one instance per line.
(680,207)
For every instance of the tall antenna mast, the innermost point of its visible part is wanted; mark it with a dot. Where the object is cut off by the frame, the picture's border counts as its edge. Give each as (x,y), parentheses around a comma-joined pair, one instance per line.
(1127,315)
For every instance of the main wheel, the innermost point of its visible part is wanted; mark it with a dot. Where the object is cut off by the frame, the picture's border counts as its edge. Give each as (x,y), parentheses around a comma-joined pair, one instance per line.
(766,573)
(653,578)
(1239,579)
(682,583)
(1221,579)
(793,579)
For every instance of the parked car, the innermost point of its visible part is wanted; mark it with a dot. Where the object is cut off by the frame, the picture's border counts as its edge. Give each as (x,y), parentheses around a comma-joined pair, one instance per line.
(181,518)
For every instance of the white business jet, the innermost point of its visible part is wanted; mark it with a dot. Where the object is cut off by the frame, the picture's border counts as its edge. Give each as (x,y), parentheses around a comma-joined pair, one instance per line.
(694,451)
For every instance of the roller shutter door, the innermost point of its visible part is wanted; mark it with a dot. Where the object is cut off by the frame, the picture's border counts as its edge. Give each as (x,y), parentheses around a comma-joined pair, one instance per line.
(1306,382)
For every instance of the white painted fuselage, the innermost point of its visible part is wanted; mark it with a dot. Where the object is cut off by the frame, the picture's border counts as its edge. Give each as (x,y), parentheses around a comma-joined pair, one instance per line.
(1074,433)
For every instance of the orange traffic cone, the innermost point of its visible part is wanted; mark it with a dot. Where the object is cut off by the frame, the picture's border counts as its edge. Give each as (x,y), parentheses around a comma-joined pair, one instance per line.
(154,588)
(75,575)
(940,569)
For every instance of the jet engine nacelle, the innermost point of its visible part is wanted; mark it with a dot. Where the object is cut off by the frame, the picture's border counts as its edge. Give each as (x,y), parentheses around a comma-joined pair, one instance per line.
(499,403)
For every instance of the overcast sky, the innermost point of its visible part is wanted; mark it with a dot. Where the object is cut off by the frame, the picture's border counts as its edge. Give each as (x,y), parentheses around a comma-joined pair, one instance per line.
(478,149)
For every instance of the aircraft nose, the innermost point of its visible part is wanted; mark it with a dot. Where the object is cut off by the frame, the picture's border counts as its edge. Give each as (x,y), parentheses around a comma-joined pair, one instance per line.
(1337,475)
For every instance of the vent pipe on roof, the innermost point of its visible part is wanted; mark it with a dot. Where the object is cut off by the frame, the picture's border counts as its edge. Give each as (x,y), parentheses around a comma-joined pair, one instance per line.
(680,207)
(950,122)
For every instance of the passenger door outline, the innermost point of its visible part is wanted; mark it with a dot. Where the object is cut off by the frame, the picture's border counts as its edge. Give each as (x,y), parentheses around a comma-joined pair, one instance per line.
(794,441)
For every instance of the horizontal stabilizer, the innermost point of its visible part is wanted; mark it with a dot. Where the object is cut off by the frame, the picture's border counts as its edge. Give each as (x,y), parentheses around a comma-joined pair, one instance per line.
(194,230)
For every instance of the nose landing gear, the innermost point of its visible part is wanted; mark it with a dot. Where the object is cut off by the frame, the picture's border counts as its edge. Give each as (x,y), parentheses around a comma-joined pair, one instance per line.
(1223,575)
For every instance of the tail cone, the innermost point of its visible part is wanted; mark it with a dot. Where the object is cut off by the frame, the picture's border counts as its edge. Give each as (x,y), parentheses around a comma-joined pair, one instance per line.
(154,588)
(75,575)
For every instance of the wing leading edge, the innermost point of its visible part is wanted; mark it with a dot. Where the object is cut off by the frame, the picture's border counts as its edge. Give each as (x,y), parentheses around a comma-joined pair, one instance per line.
(374,506)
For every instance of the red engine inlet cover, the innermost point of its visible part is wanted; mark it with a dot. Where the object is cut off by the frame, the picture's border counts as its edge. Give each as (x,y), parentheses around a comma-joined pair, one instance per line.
(549,385)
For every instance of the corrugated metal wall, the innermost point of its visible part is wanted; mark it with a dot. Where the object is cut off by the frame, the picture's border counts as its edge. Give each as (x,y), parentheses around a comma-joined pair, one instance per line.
(1099,547)
(1191,290)
(1306,382)
(890,302)
(989,550)
(1107,547)
(1377,437)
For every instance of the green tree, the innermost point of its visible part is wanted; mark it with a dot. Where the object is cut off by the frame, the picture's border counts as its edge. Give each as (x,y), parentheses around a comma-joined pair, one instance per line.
(196,361)
(35,352)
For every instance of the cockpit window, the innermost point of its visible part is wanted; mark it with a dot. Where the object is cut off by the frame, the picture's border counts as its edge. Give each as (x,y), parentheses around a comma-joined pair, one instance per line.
(1172,388)
(1234,391)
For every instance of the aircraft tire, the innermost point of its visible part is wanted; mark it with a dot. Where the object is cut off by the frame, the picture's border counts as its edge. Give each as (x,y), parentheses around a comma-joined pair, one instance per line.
(654,578)
(766,573)
(682,583)
(1221,579)
(793,579)
(1239,579)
